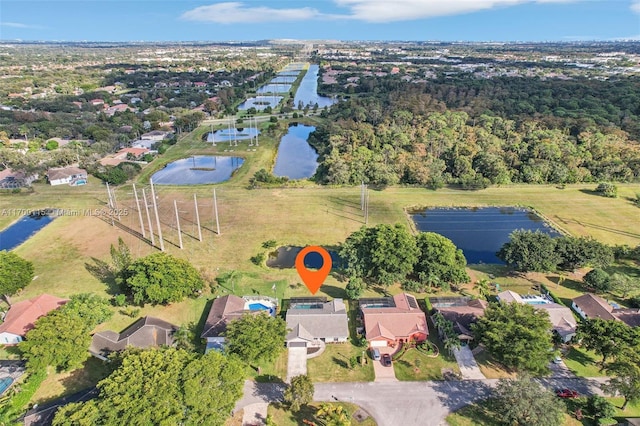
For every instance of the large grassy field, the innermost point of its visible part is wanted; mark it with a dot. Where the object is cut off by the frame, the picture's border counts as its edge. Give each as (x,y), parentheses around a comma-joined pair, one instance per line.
(66,253)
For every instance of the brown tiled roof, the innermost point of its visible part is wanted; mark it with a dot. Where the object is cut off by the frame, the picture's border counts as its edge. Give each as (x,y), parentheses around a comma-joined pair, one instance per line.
(464,316)
(594,306)
(561,317)
(65,172)
(147,332)
(223,310)
(397,322)
(631,317)
(22,315)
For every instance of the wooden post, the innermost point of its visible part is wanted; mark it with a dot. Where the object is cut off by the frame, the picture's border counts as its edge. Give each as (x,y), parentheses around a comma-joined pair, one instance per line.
(195,201)
(146,208)
(155,209)
(175,206)
(135,194)
(215,210)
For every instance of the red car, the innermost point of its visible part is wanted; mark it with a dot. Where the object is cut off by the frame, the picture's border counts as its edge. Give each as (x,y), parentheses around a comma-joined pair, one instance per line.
(567,393)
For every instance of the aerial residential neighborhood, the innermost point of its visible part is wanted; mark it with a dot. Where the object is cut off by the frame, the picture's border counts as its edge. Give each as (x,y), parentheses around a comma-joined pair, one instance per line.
(345,213)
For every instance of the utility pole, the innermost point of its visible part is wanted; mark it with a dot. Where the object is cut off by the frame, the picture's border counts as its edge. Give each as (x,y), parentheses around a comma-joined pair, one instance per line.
(155,209)
(135,194)
(146,208)
(215,210)
(110,203)
(175,206)
(195,201)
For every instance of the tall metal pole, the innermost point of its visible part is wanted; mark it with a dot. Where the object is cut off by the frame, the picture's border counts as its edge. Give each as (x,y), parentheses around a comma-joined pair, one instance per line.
(195,201)
(175,206)
(146,208)
(215,210)
(109,195)
(115,205)
(255,119)
(135,194)
(155,209)
(362,196)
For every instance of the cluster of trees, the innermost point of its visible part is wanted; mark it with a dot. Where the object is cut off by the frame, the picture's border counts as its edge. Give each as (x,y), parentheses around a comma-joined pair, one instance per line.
(60,339)
(538,251)
(385,254)
(162,386)
(409,137)
(517,335)
(116,175)
(262,176)
(619,346)
(157,279)
(255,338)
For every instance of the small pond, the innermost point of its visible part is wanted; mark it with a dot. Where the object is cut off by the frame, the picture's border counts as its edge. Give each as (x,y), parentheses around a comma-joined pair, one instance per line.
(23,229)
(274,88)
(307,92)
(225,135)
(479,232)
(199,169)
(283,79)
(296,159)
(285,257)
(260,102)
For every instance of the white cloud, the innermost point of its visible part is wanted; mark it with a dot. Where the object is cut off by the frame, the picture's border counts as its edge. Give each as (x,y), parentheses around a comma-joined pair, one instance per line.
(17,25)
(376,11)
(406,10)
(635,6)
(236,12)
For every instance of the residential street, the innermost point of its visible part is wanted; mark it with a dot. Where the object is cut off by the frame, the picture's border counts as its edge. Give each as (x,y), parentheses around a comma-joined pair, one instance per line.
(408,403)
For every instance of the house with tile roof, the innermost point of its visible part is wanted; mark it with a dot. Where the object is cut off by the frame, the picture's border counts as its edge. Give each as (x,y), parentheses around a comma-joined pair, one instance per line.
(73,176)
(146,332)
(313,322)
(563,322)
(463,312)
(392,321)
(592,306)
(20,318)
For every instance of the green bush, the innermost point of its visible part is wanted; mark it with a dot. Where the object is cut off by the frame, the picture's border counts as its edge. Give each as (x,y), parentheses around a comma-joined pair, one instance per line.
(258,259)
(607,190)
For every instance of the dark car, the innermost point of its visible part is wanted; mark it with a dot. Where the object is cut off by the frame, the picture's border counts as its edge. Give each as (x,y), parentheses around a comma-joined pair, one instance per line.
(567,393)
(386,360)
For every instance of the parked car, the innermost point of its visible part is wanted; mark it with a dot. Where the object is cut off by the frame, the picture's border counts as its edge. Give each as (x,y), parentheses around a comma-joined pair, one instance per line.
(386,360)
(375,354)
(557,360)
(567,393)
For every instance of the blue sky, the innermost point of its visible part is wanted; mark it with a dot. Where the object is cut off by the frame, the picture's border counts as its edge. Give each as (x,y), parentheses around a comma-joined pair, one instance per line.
(446,20)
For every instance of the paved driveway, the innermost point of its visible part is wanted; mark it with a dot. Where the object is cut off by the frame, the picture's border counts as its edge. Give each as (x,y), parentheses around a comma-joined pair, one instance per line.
(384,374)
(297,363)
(467,363)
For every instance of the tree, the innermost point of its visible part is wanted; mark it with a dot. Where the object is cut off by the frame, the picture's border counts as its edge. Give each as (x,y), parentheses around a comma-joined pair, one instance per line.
(60,339)
(523,401)
(578,252)
(529,251)
(256,337)
(626,372)
(483,287)
(624,284)
(608,190)
(517,335)
(333,415)
(606,337)
(598,280)
(354,288)
(163,387)
(161,278)
(383,254)
(299,392)
(120,257)
(438,255)
(15,273)
(600,408)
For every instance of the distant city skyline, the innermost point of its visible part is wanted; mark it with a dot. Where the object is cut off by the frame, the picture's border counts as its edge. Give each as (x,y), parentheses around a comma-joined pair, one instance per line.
(420,20)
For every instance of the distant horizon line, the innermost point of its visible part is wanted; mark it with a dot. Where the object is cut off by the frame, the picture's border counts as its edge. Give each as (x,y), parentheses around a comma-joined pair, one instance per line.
(320,40)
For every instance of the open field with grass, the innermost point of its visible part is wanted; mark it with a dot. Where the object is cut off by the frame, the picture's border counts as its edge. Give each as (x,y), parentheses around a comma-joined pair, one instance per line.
(333,365)
(67,253)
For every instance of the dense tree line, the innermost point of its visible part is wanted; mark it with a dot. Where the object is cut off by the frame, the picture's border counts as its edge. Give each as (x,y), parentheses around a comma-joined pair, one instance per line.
(163,387)
(411,137)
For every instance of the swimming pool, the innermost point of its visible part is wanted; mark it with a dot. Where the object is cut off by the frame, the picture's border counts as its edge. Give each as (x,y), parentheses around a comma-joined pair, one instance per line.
(5,383)
(261,307)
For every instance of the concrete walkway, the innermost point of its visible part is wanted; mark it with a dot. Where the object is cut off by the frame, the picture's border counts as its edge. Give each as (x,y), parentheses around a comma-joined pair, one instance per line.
(468,366)
(255,414)
(297,363)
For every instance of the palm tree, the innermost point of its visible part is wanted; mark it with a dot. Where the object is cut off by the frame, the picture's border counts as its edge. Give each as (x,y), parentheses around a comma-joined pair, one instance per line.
(483,287)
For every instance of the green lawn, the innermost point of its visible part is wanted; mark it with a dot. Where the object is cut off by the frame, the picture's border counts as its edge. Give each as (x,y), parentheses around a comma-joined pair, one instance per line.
(491,368)
(275,371)
(333,365)
(283,417)
(583,363)
(415,365)
(60,384)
